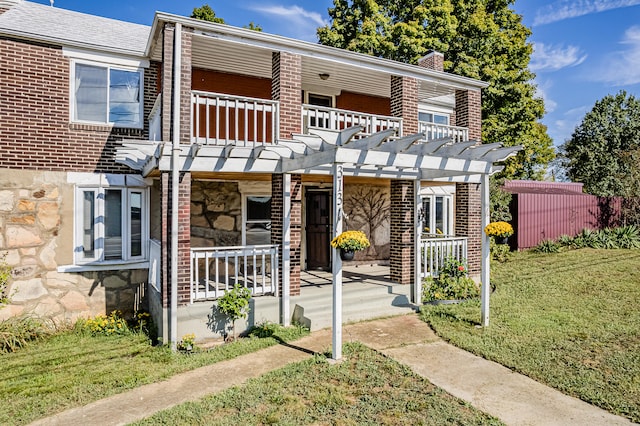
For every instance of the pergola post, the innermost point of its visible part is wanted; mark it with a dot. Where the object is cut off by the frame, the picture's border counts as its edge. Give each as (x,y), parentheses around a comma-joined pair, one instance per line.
(486,254)
(416,294)
(338,187)
(286,249)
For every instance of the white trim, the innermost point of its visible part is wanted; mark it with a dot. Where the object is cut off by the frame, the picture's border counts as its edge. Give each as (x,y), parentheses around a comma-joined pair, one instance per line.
(104,266)
(104,58)
(109,67)
(108,179)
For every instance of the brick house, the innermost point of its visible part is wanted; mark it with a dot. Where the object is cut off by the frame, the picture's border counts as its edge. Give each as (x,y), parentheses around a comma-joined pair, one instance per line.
(167,163)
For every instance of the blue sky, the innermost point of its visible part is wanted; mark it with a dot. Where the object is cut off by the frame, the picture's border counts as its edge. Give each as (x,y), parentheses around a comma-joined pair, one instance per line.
(583,49)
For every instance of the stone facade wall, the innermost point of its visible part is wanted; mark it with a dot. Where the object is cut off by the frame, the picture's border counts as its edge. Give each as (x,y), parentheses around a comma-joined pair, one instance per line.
(36,236)
(216,214)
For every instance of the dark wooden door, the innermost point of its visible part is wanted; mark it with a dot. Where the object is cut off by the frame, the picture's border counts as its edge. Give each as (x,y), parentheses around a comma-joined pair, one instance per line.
(318,229)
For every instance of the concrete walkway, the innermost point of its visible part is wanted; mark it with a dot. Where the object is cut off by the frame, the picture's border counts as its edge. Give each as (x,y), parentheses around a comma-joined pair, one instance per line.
(490,387)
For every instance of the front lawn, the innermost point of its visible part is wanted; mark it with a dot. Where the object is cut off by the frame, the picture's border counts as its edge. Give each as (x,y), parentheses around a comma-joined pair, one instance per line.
(365,388)
(74,368)
(570,320)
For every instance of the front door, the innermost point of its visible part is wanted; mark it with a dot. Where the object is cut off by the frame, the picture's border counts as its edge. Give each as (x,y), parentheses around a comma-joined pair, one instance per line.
(318,229)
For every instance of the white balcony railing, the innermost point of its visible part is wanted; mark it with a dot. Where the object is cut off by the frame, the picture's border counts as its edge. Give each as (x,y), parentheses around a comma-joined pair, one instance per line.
(438,131)
(434,250)
(218,119)
(316,117)
(215,270)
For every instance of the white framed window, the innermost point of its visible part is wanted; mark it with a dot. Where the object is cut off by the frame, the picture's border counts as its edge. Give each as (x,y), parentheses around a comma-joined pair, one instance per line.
(106,94)
(256,218)
(433,117)
(112,224)
(437,214)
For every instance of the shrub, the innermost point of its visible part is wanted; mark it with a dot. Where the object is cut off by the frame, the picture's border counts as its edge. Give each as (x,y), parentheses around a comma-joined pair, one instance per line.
(235,304)
(452,283)
(16,332)
(547,246)
(110,325)
(5,275)
(499,252)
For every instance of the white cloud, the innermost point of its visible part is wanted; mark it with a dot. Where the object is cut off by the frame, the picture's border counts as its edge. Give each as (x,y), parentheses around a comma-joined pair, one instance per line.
(566,9)
(562,129)
(295,21)
(622,67)
(554,57)
(542,91)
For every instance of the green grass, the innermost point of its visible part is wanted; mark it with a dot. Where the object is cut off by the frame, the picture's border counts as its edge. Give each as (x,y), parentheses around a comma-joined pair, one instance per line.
(365,388)
(570,320)
(72,369)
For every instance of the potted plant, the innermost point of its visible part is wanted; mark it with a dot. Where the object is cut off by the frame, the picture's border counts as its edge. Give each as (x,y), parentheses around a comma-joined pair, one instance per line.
(451,285)
(349,242)
(235,305)
(499,230)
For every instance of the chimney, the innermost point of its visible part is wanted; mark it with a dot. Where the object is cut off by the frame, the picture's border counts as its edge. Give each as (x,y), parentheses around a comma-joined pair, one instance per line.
(432,60)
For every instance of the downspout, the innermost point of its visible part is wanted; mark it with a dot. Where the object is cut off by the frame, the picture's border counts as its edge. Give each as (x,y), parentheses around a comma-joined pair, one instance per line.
(175,184)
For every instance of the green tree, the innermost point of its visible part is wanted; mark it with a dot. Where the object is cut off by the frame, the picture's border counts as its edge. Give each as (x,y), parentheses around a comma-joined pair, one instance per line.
(205,13)
(482,39)
(601,151)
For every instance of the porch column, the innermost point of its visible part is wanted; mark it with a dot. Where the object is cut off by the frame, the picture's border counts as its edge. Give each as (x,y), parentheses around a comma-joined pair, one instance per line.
(468,198)
(286,87)
(486,254)
(469,223)
(403,235)
(416,294)
(289,213)
(404,103)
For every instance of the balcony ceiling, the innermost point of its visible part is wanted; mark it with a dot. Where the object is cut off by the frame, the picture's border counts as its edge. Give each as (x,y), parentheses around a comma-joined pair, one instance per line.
(231,57)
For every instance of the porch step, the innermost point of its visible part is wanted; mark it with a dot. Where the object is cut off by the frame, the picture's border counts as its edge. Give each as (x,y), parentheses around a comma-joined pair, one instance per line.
(360,301)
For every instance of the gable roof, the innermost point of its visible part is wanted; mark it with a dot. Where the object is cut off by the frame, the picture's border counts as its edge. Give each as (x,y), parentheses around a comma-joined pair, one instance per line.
(67,28)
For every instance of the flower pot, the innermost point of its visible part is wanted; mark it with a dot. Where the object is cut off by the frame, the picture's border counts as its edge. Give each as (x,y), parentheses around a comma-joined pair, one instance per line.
(503,240)
(347,254)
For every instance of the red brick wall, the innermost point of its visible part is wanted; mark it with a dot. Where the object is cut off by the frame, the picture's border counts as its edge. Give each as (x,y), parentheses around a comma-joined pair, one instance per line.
(404,102)
(35,127)
(469,112)
(184,238)
(364,103)
(167,82)
(185,87)
(287,88)
(277,204)
(469,222)
(232,84)
(402,231)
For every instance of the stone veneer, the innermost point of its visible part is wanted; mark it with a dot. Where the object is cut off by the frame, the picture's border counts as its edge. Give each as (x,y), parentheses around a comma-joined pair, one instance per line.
(36,236)
(216,214)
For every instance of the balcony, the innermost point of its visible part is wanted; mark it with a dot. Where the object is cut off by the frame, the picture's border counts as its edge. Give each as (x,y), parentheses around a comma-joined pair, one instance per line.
(439,131)
(316,117)
(218,119)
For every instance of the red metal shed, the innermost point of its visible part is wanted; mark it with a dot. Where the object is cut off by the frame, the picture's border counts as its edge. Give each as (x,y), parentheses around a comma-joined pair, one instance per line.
(547,210)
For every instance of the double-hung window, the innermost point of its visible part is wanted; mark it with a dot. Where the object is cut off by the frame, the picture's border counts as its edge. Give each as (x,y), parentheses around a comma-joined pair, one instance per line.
(107,95)
(437,215)
(111,224)
(257,220)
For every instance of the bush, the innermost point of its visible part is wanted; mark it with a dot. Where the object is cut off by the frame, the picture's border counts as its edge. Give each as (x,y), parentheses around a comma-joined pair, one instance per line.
(499,252)
(110,325)
(547,246)
(452,283)
(16,332)
(5,275)
(235,304)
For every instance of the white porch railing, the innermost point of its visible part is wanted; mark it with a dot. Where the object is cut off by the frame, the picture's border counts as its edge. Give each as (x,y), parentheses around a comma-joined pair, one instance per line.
(438,131)
(218,119)
(155,276)
(316,117)
(215,270)
(435,250)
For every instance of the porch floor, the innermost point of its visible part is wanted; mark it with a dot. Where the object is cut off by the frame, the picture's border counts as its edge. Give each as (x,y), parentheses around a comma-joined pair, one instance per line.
(367,292)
